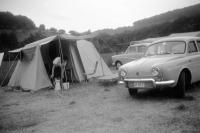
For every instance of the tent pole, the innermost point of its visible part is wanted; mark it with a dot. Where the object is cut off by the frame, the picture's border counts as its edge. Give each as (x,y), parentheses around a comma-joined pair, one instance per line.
(61,56)
(9,58)
(102,65)
(60,48)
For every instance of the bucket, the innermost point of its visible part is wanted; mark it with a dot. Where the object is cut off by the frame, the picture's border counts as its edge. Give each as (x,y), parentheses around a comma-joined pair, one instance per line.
(57,85)
(66,85)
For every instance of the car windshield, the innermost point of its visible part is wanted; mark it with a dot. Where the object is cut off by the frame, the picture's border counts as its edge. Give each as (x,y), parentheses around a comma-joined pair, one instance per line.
(167,47)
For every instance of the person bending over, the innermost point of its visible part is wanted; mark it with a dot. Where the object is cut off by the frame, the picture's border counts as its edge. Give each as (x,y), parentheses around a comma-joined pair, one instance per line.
(58,70)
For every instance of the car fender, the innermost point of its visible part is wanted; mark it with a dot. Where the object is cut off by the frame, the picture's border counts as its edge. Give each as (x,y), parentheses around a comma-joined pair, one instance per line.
(173,71)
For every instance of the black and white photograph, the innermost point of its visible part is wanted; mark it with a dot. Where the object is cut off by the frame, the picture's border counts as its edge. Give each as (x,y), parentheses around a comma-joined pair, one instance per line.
(99,66)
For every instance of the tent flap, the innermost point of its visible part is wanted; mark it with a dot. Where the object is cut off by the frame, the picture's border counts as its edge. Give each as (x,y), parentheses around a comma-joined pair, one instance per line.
(32,74)
(89,57)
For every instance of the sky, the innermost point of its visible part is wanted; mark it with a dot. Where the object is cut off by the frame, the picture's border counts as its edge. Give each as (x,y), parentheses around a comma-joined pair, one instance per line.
(83,15)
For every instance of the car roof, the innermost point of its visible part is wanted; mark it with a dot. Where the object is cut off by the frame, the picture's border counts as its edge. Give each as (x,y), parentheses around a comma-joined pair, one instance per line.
(183,38)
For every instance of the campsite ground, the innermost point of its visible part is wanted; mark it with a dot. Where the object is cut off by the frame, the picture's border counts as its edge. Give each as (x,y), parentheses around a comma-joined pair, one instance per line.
(99,108)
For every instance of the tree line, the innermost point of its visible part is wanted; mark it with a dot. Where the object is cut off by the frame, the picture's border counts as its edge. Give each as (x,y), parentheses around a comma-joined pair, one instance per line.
(13,27)
(9,21)
(104,42)
(111,43)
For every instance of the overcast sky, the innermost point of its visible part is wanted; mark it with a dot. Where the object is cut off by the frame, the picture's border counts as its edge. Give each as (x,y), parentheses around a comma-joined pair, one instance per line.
(82,15)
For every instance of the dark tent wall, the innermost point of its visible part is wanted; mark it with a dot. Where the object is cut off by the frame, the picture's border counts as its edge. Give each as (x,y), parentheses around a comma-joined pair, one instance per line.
(7,67)
(76,61)
(6,71)
(69,51)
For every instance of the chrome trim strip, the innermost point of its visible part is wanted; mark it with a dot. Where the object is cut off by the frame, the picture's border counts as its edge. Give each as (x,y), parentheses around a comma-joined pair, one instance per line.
(152,80)
(161,83)
(155,83)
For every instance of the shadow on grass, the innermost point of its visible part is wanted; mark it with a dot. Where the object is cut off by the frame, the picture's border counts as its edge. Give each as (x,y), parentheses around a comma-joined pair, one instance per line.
(16,126)
(168,93)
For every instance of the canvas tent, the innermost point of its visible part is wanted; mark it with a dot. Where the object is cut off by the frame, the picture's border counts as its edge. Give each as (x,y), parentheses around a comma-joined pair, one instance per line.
(35,61)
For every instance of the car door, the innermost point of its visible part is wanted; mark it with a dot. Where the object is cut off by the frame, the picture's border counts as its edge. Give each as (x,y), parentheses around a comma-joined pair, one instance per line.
(193,60)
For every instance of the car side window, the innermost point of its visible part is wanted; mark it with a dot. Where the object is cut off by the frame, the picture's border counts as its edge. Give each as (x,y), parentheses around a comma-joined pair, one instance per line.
(131,49)
(192,47)
(198,44)
(141,49)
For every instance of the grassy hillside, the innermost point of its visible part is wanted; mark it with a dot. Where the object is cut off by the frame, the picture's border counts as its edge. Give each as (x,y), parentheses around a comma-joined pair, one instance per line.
(170,16)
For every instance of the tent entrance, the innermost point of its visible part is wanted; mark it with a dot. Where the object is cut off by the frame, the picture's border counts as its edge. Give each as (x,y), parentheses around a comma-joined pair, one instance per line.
(70,53)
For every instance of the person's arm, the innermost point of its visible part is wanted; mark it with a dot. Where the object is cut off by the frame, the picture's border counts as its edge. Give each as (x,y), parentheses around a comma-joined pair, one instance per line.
(52,71)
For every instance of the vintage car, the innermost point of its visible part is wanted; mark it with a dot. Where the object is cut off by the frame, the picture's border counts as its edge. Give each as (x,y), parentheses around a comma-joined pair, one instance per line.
(169,62)
(133,52)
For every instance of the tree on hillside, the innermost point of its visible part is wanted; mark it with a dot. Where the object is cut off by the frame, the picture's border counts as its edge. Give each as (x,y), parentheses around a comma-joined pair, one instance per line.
(12,22)
(53,31)
(61,31)
(41,27)
(75,33)
(32,38)
(8,41)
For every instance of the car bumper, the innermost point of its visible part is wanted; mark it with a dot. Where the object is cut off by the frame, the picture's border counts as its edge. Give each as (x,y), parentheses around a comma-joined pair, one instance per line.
(148,83)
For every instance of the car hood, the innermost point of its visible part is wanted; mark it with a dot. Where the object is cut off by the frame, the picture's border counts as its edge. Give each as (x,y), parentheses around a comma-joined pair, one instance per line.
(145,64)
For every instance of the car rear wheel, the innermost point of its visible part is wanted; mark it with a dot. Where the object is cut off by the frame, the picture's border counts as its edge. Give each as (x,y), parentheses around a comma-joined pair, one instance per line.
(132,92)
(118,64)
(181,85)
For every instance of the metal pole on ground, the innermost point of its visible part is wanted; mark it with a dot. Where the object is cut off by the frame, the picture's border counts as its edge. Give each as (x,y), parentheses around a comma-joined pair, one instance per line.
(61,57)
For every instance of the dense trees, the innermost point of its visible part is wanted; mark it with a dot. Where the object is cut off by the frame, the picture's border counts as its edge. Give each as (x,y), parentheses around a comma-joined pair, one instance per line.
(8,41)
(17,30)
(10,22)
(75,33)
(9,27)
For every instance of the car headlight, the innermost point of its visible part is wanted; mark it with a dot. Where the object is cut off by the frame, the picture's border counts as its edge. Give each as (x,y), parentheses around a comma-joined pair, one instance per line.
(156,72)
(122,73)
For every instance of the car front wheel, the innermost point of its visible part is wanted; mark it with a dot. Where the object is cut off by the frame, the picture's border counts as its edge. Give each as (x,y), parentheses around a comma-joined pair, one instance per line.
(181,85)
(132,92)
